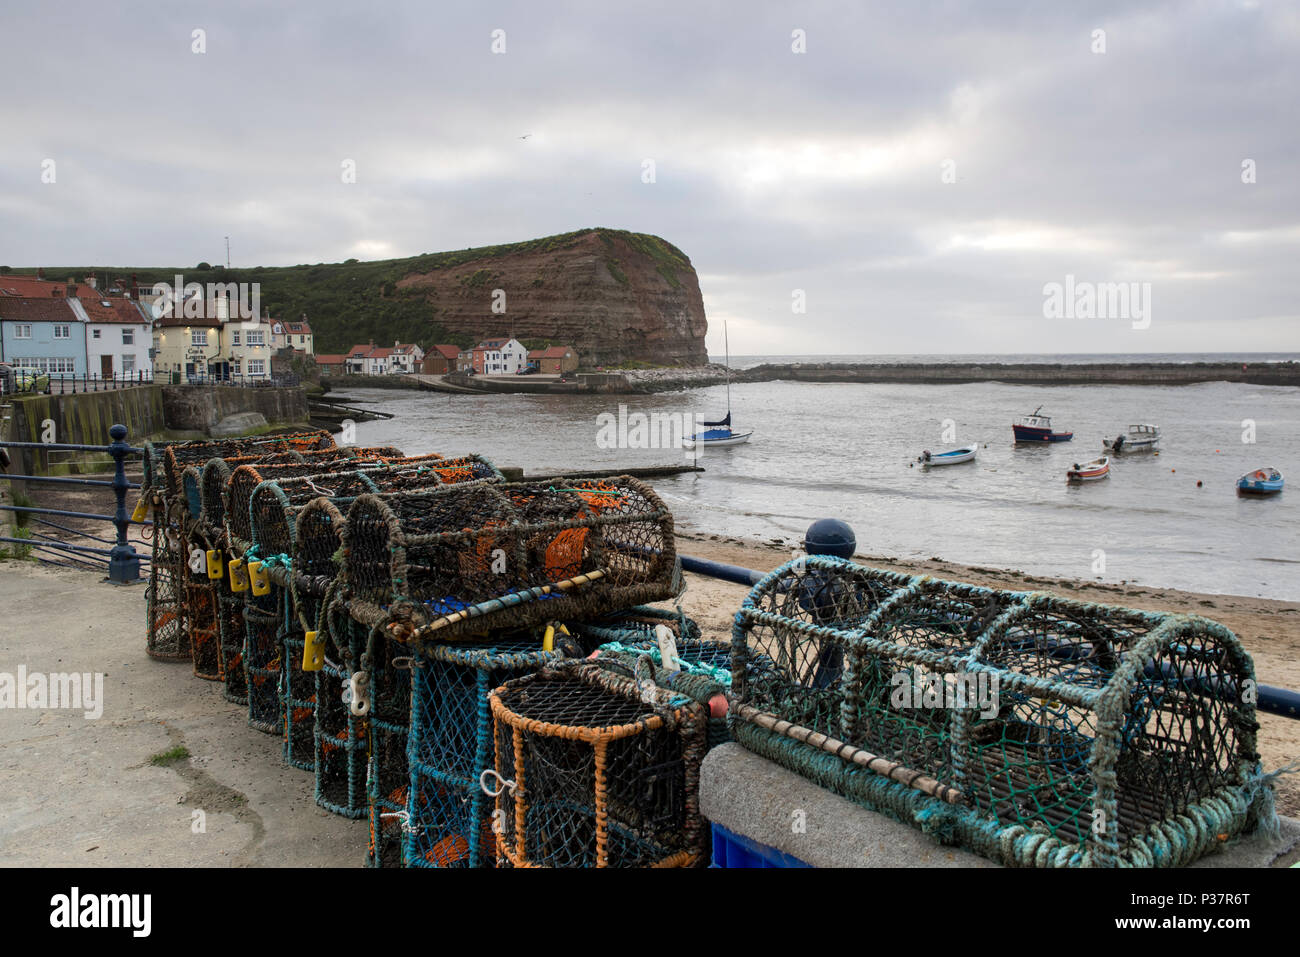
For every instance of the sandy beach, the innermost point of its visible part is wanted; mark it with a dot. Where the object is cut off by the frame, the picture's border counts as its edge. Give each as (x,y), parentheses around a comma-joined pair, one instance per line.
(1269,629)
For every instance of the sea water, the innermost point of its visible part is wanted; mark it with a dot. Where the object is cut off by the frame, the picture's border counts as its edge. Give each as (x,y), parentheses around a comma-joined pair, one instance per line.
(848,450)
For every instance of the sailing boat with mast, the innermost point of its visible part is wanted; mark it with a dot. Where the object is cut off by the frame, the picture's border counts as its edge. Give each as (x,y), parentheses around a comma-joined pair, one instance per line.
(719,434)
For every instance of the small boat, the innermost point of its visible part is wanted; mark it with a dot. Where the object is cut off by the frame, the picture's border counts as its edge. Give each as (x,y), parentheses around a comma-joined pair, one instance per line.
(1265,481)
(1091,472)
(1139,438)
(1037,427)
(717,435)
(951,457)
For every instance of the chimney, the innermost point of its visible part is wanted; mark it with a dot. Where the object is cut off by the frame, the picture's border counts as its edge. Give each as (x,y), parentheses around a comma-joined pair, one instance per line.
(372,343)
(92,282)
(72,290)
(396,343)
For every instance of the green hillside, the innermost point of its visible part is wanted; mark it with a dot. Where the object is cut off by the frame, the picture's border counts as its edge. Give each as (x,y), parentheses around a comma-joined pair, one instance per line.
(354,302)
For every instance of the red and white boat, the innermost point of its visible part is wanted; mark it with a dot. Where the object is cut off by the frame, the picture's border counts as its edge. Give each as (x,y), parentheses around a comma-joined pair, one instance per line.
(1091,472)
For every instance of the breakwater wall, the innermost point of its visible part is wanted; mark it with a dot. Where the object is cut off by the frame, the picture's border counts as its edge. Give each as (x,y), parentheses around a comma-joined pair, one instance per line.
(647,381)
(1034,373)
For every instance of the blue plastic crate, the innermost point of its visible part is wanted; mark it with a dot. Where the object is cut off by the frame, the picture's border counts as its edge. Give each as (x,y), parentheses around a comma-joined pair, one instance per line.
(735,850)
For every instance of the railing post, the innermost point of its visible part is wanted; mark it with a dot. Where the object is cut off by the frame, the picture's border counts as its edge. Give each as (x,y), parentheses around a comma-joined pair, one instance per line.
(123,562)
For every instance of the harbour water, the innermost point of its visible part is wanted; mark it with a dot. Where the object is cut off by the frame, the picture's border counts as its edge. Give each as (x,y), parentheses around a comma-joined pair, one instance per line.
(848,450)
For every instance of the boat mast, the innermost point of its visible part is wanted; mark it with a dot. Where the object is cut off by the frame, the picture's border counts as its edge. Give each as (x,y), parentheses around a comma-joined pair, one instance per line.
(726,341)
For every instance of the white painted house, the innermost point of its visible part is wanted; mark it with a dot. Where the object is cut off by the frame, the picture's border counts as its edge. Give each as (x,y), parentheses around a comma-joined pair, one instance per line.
(500,357)
(119,335)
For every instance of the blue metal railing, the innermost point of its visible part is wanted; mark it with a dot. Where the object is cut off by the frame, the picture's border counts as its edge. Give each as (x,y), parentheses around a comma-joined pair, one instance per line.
(123,562)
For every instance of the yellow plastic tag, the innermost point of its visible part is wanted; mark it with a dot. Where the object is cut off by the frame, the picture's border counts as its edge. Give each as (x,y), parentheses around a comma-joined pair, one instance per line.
(214,566)
(238,575)
(141,510)
(548,641)
(261,580)
(313,652)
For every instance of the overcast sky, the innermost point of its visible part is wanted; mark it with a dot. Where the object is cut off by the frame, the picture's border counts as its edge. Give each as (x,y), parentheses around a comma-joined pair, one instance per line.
(774,171)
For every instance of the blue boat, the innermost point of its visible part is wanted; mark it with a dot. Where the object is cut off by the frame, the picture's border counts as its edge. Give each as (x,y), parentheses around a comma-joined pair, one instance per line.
(1037,427)
(1265,481)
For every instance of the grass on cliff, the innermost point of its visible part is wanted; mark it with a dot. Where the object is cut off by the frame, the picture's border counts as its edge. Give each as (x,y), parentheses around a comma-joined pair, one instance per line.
(353,302)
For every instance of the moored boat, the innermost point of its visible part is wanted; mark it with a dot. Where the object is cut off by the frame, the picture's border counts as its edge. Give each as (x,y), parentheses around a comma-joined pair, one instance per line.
(1139,438)
(952,457)
(1089,472)
(1037,427)
(719,434)
(1265,481)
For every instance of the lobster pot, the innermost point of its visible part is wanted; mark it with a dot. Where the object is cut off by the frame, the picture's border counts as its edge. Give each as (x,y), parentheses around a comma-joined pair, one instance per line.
(164,462)
(481,556)
(635,626)
(389,672)
(703,675)
(274,509)
(316,543)
(167,628)
(450,746)
(244,480)
(341,737)
(200,606)
(1035,730)
(592,771)
(286,704)
(165,636)
(264,623)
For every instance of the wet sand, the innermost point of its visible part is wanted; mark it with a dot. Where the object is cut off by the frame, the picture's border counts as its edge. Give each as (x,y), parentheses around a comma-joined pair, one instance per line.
(1269,629)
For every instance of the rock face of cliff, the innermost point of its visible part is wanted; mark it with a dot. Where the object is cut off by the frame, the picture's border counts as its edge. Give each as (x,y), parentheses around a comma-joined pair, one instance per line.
(612,295)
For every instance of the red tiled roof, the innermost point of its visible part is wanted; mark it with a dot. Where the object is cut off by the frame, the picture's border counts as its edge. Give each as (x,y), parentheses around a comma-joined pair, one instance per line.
(36,309)
(30,286)
(118,310)
(329,360)
(554,352)
(447,352)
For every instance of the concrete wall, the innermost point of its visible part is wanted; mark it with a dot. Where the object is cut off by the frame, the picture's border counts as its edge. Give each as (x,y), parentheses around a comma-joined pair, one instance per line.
(82,419)
(197,407)
(146,411)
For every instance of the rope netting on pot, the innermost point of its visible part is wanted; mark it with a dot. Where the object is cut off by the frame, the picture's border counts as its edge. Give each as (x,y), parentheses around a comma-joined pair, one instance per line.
(697,668)
(1032,729)
(634,626)
(200,605)
(468,559)
(437,815)
(275,507)
(342,712)
(167,627)
(594,769)
(269,616)
(165,461)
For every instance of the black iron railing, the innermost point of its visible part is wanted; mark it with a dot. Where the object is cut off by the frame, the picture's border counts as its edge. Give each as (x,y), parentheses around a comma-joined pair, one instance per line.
(123,561)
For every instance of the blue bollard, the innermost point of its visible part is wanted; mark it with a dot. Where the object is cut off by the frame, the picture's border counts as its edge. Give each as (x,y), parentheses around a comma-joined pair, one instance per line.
(123,562)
